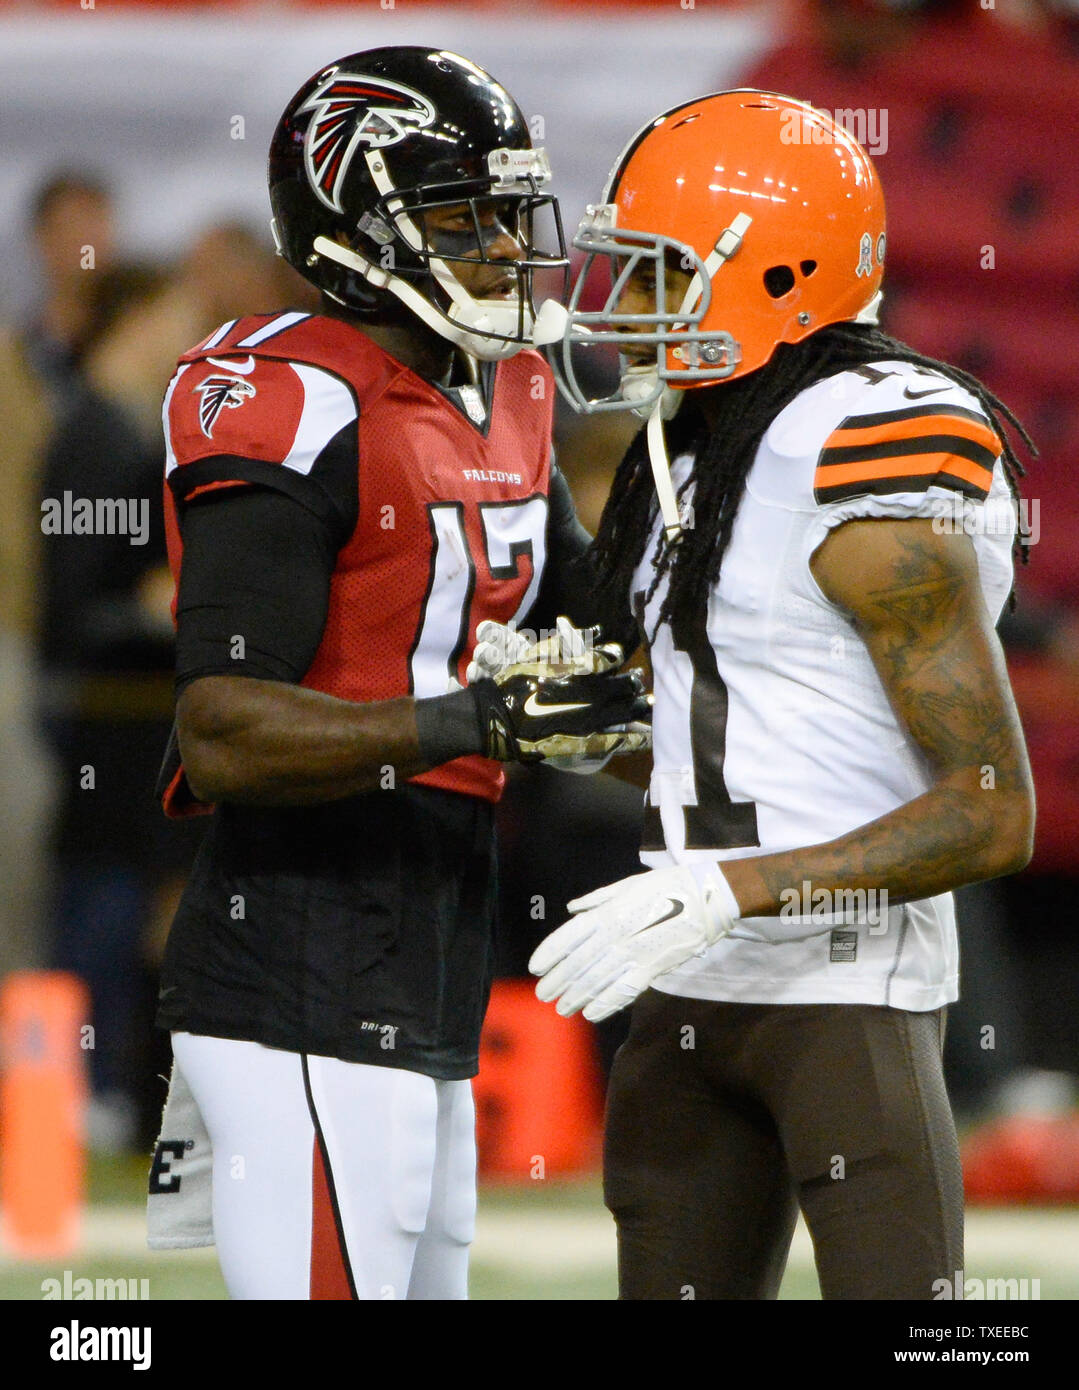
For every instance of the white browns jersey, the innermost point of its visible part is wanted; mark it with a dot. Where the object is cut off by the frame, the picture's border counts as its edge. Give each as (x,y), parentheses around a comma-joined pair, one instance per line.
(774,732)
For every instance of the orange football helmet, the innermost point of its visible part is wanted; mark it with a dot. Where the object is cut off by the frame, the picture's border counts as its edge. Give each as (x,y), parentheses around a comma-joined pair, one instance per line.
(771,205)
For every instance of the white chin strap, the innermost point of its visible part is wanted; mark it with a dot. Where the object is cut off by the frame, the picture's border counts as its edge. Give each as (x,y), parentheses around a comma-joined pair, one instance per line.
(463,325)
(661,473)
(871,312)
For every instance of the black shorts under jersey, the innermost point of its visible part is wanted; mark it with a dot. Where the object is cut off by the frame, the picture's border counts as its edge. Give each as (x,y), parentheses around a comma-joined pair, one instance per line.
(360,929)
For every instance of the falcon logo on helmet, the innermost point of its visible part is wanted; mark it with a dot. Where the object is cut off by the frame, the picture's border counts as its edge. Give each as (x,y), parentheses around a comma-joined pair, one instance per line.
(219,393)
(392,112)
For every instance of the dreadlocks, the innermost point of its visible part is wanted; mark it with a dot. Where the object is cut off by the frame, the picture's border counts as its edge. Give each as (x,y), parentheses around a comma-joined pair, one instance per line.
(725,449)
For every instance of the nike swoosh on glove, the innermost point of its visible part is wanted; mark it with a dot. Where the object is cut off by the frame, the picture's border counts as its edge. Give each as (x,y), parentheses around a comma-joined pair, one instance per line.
(526,716)
(623,937)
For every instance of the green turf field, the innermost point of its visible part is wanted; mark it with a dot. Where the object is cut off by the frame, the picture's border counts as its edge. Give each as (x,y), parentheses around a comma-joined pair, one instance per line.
(542,1240)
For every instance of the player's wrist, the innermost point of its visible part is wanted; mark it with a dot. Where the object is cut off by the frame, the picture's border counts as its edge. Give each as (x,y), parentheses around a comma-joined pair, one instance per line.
(720,902)
(451,726)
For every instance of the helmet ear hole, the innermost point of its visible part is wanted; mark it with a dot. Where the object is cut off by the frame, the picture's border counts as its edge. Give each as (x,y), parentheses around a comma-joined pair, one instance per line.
(807,268)
(779,280)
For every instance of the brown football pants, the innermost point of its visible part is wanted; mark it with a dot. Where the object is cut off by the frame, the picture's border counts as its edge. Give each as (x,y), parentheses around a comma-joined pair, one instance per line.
(724,1119)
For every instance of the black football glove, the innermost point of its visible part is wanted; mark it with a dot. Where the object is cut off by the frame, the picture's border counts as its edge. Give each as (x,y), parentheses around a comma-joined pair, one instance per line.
(530,716)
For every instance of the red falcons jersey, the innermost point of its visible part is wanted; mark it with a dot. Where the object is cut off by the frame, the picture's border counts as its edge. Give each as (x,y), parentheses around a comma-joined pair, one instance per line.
(440,495)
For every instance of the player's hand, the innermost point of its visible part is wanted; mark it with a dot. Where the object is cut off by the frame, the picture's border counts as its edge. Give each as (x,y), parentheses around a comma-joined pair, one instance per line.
(623,937)
(529,715)
(568,651)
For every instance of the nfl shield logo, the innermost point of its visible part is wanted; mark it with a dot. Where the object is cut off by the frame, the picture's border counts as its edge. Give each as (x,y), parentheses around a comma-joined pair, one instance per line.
(473,404)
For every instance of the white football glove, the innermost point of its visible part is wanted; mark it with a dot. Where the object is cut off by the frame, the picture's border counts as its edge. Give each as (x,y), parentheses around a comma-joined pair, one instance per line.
(568,651)
(573,650)
(623,937)
(498,645)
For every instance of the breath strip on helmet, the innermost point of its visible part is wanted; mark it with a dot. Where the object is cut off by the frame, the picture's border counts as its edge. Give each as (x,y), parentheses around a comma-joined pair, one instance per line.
(729,242)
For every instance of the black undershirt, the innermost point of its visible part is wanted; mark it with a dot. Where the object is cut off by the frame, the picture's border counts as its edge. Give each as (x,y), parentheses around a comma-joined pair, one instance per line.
(254,587)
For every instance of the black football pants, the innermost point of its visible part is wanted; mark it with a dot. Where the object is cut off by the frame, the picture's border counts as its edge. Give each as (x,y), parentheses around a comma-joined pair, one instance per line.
(724,1119)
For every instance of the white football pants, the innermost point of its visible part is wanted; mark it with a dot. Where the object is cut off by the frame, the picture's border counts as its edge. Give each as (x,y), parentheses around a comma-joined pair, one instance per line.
(334,1180)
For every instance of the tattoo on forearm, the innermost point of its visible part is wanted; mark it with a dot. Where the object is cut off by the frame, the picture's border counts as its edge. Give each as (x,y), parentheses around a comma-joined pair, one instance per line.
(946,681)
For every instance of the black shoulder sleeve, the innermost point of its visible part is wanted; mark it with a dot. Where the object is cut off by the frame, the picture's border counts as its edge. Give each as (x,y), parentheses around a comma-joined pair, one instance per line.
(568,585)
(254,585)
(329,490)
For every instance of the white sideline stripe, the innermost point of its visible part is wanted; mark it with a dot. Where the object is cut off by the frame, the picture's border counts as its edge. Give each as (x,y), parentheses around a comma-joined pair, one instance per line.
(1030,1244)
(277,325)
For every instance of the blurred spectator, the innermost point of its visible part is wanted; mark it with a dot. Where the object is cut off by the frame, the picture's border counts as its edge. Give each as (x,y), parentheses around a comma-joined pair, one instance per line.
(71,231)
(976,129)
(71,225)
(227,267)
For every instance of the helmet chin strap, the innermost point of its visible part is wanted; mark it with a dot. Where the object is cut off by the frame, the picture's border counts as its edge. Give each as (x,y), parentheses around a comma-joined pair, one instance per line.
(871,312)
(661,473)
(456,329)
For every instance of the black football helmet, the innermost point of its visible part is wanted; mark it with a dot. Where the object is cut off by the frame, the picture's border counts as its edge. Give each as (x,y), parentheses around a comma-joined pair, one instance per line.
(376,140)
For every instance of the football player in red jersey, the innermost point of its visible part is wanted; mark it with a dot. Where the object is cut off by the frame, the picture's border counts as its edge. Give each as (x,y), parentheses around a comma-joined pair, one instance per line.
(350,495)
(818,574)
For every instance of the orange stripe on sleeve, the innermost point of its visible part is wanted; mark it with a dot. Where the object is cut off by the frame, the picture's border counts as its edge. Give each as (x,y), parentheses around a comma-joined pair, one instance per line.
(919,465)
(214,487)
(847,436)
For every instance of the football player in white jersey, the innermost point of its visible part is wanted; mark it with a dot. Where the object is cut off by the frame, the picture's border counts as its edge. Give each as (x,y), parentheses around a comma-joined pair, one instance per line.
(818,575)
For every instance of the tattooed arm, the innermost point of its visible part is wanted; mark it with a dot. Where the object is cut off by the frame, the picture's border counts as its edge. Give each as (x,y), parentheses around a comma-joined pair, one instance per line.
(916,601)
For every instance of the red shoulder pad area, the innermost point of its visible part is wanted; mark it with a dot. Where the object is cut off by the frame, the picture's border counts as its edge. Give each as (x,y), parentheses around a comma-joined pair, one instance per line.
(240,404)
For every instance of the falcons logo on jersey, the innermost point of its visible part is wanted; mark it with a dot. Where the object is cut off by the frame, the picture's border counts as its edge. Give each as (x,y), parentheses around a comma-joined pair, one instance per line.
(350,111)
(219,392)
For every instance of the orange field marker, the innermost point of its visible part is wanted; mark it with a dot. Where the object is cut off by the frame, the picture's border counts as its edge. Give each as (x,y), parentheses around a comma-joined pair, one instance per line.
(43,1090)
(539,1104)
